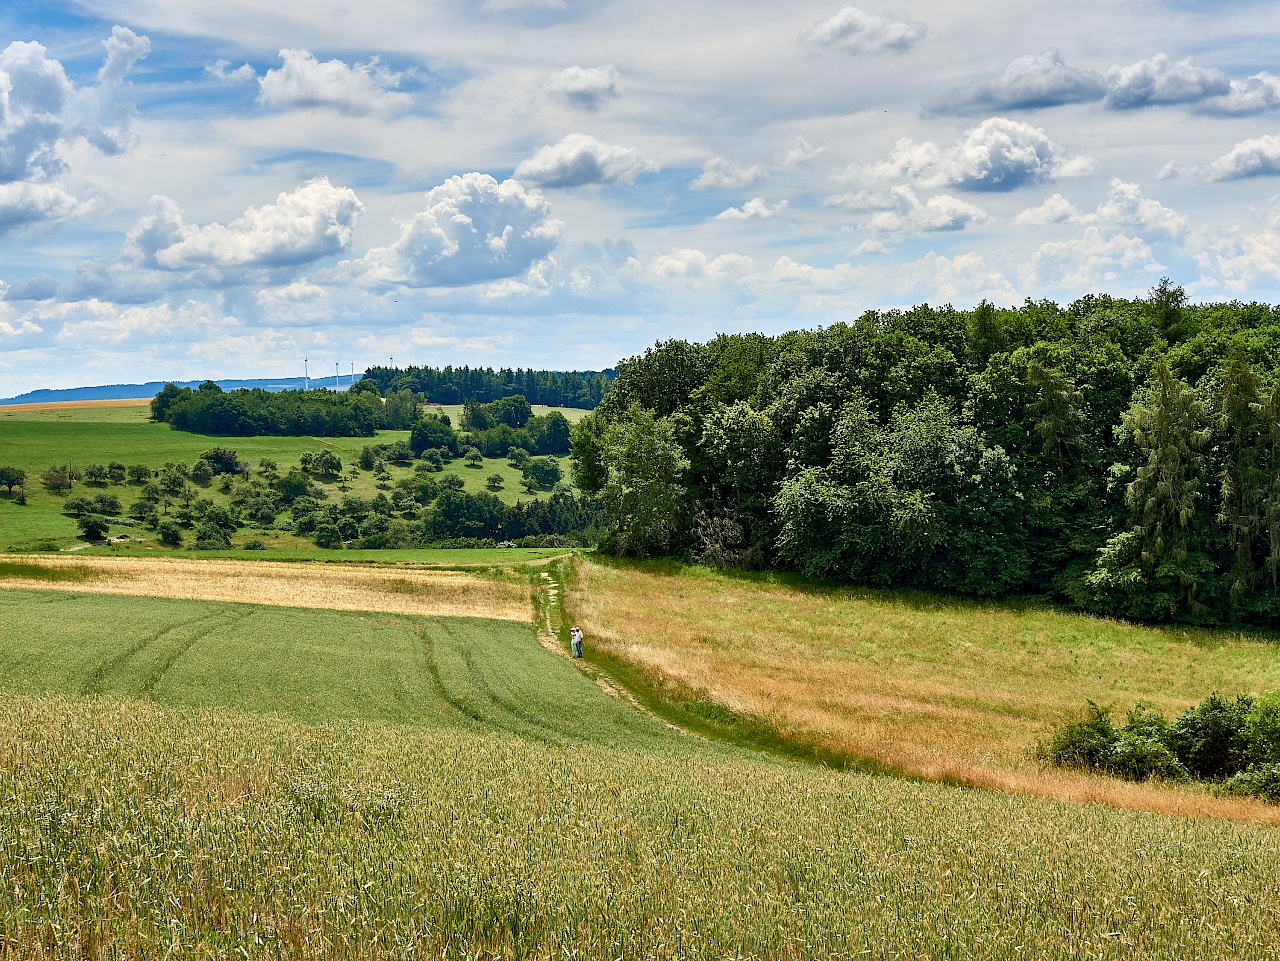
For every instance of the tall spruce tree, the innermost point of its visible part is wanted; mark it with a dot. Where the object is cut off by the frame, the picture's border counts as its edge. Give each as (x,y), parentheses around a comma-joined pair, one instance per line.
(1167,491)
(1238,432)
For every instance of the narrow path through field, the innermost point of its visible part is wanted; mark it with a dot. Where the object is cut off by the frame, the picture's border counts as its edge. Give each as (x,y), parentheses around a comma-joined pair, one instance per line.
(553,633)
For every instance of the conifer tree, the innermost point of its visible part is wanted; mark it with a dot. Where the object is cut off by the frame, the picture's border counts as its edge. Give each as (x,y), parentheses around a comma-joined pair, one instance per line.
(1238,430)
(1166,493)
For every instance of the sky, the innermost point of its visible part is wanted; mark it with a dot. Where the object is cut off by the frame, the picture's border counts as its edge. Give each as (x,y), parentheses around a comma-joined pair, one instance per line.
(194,190)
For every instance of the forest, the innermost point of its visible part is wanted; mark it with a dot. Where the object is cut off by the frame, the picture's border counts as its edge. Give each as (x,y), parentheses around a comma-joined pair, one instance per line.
(1120,455)
(251,413)
(454,385)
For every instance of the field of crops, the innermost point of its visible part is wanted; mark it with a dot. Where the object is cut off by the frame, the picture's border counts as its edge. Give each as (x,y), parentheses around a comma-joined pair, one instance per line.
(199,779)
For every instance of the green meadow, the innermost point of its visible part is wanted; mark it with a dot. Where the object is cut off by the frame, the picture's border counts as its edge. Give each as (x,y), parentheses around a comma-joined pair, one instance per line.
(34,440)
(197,780)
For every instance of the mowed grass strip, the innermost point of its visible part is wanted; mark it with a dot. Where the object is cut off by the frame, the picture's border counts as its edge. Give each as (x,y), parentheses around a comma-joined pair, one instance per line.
(329,586)
(137,830)
(943,689)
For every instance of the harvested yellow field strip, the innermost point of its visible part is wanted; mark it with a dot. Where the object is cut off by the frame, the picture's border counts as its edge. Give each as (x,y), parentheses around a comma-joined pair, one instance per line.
(942,689)
(81,404)
(331,586)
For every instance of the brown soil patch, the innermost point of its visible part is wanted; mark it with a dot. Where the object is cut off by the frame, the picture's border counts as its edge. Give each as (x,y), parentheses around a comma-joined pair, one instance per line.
(73,404)
(330,586)
(940,694)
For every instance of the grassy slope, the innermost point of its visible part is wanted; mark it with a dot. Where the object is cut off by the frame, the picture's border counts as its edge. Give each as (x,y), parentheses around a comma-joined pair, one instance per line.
(474,795)
(937,687)
(33,440)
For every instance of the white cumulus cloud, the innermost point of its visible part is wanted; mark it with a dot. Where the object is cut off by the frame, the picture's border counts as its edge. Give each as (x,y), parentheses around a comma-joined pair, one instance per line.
(1255,94)
(1036,80)
(221,70)
(1256,157)
(1057,209)
(473,230)
(858,31)
(22,203)
(998,154)
(302,226)
(1161,81)
(725,174)
(582,159)
(1096,260)
(124,49)
(303,81)
(41,112)
(1128,207)
(911,215)
(585,88)
(753,209)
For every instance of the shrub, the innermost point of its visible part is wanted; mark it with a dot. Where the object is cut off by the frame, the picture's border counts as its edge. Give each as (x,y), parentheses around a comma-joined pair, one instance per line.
(255,544)
(212,537)
(1262,781)
(201,472)
(432,462)
(543,471)
(223,460)
(1086,743)
(1262,731)
(328,535)
(94,526)
(170,534)
(1209,738)
(1138,758)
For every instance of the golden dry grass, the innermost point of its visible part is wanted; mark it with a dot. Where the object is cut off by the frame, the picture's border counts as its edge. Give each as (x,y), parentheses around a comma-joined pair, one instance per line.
(939,689)
(329,586)
(80,404)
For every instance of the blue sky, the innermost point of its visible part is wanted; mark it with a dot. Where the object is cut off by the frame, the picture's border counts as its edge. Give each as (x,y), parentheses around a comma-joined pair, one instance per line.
(192,190)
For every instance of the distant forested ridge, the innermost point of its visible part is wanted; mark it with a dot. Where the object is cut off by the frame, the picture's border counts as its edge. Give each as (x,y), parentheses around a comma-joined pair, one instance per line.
(1122,454)
(456,385)
(317,413)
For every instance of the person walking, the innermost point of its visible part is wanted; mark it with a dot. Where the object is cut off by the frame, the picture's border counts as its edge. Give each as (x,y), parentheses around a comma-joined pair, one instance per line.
(575,641)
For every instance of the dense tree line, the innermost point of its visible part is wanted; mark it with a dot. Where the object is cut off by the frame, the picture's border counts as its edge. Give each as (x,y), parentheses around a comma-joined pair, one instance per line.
(456,385)
(493,430)
(248,413)
(1122,454)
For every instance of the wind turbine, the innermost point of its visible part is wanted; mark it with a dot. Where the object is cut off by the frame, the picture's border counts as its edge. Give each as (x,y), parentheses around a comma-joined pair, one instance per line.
(306,381)
(335,375)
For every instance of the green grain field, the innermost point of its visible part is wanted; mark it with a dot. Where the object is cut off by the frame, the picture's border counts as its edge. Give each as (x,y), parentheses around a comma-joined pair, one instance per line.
(184,779)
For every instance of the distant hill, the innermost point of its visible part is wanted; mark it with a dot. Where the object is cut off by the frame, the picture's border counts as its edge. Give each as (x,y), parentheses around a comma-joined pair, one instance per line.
(121,391)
